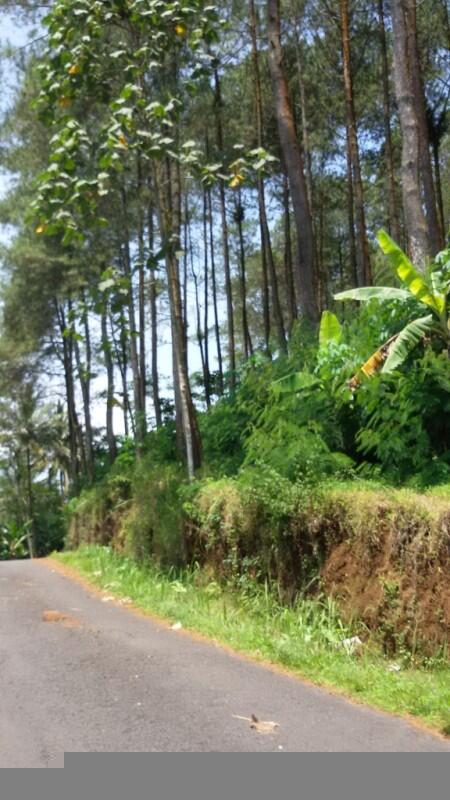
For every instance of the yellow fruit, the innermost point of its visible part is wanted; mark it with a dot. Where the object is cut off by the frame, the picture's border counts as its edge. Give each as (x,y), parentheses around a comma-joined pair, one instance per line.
(75,69)
(41,229)
(236,181)
(180,30)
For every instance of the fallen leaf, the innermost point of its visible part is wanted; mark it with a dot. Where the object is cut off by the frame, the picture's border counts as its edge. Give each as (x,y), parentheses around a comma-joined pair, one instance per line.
(259,725)
(60,617)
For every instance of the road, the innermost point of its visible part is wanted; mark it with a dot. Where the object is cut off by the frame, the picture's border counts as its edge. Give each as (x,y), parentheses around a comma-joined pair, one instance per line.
(103,678)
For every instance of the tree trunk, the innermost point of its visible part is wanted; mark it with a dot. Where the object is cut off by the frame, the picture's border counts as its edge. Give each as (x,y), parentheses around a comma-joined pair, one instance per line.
(438,181)
(416,224)
(435,235)
(153,292)
(362,246)
(214,292)
(139,414)
(391,189)
(206,301)
(351,215)
(225,237)
(291,304)
(305,267)
(266,244)
(168,192)
(106,347)
(239,218)
(84,377)
(142,304)
(67,362)
(199,331)
(31,535)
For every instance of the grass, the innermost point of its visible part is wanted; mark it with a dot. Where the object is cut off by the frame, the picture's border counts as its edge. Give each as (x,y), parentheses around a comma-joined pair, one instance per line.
(305,638)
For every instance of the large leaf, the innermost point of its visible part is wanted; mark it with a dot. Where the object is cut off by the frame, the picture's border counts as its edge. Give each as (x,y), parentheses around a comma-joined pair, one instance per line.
(330,329)
(408,273)
(407,340)
(367,293)
(296,382)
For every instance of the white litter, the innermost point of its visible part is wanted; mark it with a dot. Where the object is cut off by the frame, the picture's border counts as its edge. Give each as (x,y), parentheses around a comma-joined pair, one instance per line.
(352,645)
(177,627)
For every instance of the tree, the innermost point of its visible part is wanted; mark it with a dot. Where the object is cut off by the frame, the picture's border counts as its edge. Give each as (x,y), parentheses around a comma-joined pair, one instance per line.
(305,273)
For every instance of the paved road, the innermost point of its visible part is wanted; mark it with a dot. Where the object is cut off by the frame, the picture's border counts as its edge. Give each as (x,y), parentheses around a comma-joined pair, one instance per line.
(106,679)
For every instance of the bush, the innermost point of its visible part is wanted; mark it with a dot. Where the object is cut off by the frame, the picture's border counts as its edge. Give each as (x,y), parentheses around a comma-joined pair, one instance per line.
(153,525)
(404,421)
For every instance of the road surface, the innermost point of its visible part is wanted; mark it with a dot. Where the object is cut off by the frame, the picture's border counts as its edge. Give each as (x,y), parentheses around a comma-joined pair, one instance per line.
(102,678)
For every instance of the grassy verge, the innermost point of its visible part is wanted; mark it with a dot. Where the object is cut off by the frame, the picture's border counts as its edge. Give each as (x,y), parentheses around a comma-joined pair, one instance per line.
(306,639)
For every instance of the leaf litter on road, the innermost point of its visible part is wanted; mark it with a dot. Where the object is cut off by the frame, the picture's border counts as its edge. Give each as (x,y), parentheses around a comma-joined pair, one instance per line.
(260,726)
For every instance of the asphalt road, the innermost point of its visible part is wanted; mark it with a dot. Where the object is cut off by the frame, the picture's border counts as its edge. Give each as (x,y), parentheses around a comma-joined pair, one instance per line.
(105,679)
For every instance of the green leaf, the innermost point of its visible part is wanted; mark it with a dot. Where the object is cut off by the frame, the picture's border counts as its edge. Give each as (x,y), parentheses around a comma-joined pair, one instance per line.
(367,293)
(296,382)
(330,329)
(408,273)
(409,337)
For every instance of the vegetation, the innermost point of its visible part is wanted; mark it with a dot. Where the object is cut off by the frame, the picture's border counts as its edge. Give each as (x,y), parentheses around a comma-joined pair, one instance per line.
(191,193)
(307,638)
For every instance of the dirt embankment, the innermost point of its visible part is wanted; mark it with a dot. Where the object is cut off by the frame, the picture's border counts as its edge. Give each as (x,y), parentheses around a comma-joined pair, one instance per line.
(383,554)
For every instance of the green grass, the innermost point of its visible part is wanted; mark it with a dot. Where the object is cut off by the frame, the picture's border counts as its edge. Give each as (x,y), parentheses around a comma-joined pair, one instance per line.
(305,639)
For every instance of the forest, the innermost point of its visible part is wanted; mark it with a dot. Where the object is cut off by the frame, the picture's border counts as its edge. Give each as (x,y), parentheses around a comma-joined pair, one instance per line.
(225,294)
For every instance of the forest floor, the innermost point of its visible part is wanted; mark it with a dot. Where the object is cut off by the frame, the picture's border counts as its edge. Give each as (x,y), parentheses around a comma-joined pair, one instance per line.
(83,673)
(308,640)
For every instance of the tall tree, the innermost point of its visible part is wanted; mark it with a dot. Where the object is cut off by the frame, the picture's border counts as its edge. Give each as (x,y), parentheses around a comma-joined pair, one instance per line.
(364,272)
(406,89)
(305,274)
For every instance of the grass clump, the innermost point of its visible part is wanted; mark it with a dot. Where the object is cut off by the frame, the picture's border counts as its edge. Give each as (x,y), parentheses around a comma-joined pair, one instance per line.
(306,637)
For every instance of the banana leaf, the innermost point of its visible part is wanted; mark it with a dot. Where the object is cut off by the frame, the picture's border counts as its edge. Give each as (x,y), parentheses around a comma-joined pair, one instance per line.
(367,293)
(409,275)
(330,329)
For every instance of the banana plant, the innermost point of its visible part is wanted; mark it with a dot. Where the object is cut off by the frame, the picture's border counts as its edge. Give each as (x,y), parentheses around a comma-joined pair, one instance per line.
(432,293)
(330,331)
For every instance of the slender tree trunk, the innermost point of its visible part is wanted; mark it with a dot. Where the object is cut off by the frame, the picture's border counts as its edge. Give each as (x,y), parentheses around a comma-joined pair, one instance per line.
(438,182)
(391,189)
(168,191)
(106,348)
(305,274)
(362,245)
(304,117)
(206,301)
(214,292)
(121,354)
(239,218)
(67,363)
(142,326)
(416,224)
(435,235)
(266,243)
(31,536)
(291,304)
(351,215)
(153,292)
(199,331)
(225,236)
(139,415)
(261,199)
(84,380)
